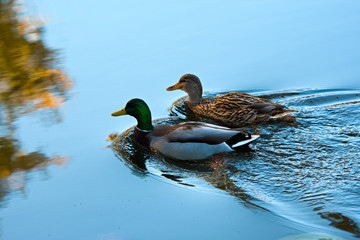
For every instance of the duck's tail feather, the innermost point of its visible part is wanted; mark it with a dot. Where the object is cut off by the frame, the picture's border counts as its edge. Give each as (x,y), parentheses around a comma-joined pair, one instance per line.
(245,142)
(241,139)
(283,113)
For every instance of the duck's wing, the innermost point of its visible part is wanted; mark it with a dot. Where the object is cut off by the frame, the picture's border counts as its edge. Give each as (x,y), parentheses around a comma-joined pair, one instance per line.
(244,99)
(244,104)
(264,107)
(236,109)
(229,113)
(201,133)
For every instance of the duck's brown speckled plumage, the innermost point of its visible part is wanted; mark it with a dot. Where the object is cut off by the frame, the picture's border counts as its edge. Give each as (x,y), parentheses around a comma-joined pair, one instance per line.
(233,109)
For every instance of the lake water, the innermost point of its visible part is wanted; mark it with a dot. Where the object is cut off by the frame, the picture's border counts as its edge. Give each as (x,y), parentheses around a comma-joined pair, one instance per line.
(59,179)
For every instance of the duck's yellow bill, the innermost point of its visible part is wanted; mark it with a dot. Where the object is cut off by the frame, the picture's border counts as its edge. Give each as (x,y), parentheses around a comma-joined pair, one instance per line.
(172,88)
(119,113)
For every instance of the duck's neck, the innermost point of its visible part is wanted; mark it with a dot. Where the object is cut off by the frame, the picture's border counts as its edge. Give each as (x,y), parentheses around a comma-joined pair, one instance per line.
(194,94)
(144,121)
(141,136)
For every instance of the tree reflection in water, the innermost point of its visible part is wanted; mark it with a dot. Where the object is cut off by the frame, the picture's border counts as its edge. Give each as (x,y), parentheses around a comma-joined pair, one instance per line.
(14,164)
(30,80)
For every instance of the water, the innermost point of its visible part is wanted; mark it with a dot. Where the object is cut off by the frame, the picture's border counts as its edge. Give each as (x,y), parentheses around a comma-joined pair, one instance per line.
(305,172)
(59,180)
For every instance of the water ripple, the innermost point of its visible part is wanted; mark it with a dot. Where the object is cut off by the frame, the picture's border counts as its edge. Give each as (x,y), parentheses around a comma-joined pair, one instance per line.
(307,172)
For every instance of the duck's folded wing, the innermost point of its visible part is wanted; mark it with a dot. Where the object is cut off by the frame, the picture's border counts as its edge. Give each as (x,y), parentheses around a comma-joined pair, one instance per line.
(242,100)
(201,133)
(263,107)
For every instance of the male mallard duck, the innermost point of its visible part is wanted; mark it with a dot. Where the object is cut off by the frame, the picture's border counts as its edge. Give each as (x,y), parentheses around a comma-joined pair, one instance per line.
(184,141)
(233,109)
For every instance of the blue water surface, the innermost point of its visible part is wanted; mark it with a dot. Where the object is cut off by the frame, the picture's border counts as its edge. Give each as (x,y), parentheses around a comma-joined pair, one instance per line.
(304,54)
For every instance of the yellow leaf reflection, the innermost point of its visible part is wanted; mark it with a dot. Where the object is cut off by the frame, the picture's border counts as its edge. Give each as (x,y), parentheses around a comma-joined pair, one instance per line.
(60,160)
(15,164)
(30,76)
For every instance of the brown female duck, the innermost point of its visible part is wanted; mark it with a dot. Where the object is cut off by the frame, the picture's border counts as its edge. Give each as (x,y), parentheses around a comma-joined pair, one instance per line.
(233,109)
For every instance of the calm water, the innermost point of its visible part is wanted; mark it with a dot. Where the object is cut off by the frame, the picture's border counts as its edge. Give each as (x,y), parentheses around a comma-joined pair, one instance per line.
(59,179)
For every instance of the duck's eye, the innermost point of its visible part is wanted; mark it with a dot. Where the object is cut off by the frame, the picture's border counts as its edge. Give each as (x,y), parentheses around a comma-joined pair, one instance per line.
(182,80)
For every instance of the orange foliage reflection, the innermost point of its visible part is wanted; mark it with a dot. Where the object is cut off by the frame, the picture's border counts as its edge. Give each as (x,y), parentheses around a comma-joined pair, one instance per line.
(30,76)
(30,80)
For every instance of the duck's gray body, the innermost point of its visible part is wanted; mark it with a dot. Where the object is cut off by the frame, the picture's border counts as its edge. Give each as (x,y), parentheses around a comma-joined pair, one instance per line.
(193,140)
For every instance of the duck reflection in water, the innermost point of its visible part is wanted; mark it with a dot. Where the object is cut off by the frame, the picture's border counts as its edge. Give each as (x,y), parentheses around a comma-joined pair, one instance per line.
(213,170)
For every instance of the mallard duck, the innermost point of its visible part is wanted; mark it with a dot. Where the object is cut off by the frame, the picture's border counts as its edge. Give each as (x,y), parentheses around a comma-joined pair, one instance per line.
(233,109)
(184,141)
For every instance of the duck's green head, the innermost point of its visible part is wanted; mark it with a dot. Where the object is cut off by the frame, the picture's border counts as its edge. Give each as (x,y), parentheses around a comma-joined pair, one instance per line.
(138,109)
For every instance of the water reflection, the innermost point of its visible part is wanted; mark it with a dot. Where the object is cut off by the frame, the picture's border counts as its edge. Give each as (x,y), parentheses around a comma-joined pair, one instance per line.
(297,171)
(15,164)
(213,171)
(30,80)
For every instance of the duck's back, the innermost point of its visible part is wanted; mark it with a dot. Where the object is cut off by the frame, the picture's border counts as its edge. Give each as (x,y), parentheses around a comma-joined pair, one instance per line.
(235,109)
